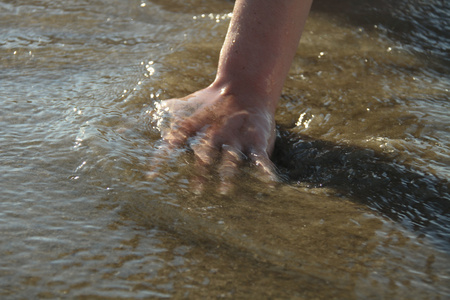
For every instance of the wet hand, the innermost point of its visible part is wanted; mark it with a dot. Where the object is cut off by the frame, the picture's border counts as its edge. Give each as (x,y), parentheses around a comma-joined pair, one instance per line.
(224,131)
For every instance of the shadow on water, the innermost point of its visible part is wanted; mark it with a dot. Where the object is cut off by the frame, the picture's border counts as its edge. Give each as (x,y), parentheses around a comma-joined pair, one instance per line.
(418,200)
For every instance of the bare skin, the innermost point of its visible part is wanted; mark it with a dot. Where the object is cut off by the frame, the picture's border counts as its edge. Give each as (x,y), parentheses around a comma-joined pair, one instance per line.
(233,119)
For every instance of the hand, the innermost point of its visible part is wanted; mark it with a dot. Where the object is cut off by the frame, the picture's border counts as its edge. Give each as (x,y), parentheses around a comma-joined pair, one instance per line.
(223,130)
(232,120)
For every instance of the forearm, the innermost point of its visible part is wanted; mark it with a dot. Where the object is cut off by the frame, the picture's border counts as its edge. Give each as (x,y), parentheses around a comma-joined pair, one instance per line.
(260,45)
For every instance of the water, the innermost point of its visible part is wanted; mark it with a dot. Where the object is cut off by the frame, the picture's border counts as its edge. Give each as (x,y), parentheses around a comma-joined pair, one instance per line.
(363,145)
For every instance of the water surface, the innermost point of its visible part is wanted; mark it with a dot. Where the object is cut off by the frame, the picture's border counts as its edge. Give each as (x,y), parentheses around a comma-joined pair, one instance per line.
(363,147)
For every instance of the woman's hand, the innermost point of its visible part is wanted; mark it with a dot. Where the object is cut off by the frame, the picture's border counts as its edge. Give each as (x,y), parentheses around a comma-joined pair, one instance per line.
(223,130)
(232,120)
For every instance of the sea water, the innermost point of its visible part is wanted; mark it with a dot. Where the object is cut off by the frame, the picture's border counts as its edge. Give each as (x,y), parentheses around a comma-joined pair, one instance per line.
(363,148)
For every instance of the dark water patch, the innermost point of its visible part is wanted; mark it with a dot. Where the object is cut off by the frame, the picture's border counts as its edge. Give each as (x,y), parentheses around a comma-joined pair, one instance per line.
(422,26)
(417,199)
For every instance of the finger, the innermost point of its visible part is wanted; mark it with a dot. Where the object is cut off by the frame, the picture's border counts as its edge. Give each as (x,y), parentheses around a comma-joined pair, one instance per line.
(204,151)
(265,167)
(231,159)
(178,133)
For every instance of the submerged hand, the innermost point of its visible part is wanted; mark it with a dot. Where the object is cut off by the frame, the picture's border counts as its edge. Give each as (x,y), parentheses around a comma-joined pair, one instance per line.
(223,130)
(232,120)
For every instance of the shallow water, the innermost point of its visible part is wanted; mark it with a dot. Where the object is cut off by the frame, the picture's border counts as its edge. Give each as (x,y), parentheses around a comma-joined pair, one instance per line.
(364,149)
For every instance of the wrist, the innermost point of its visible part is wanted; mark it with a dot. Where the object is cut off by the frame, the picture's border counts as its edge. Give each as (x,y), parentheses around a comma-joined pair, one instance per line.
(252,96)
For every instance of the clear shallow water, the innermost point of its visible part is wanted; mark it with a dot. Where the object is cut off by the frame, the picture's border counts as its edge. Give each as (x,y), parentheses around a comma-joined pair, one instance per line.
(364,144)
